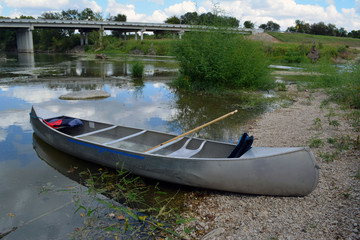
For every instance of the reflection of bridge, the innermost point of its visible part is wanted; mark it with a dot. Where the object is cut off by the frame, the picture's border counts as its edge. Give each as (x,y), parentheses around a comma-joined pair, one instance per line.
(24,29)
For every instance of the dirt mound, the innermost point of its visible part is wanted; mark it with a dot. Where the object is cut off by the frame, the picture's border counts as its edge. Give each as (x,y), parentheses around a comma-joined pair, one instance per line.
(263,37)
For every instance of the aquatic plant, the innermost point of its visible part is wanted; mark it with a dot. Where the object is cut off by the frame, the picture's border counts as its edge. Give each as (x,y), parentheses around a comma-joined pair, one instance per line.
(137,69)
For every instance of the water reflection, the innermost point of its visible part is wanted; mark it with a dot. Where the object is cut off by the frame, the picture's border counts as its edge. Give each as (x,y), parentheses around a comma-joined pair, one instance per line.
(31,67)
(147,103)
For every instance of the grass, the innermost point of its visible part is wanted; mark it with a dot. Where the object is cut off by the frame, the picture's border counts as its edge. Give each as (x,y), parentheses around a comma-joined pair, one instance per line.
(137,69)
(133,209)
(301,38)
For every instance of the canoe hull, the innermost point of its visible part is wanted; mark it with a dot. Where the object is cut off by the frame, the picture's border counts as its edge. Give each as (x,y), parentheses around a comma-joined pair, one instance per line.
(291,173)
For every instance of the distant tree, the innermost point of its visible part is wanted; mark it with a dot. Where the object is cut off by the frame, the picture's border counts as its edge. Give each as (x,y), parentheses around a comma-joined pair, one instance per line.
(26,17)
(190,18)
(173,20)
(319,28)
(117,18)
(88,14)
(354,34)
(208,19)
(249,24)
(7,38)
(70,14)
(50,15)
(270,26)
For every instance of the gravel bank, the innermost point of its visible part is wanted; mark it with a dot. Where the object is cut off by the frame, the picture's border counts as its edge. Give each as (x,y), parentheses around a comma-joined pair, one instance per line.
(331,211)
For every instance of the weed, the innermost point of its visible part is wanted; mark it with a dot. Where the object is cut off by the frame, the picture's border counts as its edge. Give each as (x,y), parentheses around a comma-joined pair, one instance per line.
(316,143)
(342,143)
(334,123)
(317,124)
(137,69)
(327,157)
(281,87)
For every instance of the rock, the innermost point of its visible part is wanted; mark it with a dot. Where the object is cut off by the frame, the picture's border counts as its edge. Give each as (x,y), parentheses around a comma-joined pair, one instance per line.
(82,95)
(100,56)
(314,54)
(214,233)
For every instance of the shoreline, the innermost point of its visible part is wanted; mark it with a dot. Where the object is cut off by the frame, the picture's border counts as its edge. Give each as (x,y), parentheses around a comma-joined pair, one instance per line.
(331,211)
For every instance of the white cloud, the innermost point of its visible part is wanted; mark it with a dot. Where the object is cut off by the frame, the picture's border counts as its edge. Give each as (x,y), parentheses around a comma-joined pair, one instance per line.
(161,2)
(115,8)
(36,4)
(285,12)
(46,5)
(181,8)
(158,16)
(0,10)
(357,6)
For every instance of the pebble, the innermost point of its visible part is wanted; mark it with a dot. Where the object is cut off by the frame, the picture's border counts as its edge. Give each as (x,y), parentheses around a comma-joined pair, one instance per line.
(331,211)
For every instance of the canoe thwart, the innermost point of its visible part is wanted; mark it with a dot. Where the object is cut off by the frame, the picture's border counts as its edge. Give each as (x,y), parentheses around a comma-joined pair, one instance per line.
(94,132)
(124,138)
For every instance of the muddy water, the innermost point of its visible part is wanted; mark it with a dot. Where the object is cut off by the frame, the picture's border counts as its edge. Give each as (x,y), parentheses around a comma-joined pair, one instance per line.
(27,164)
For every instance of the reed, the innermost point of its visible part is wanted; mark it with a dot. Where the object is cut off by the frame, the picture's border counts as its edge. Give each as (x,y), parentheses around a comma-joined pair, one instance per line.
(137,70)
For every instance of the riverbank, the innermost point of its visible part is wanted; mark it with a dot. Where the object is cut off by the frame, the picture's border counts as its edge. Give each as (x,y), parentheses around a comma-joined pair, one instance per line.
(331,211)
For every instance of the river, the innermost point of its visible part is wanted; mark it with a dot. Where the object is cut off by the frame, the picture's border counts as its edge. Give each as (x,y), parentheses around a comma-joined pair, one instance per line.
(27,164)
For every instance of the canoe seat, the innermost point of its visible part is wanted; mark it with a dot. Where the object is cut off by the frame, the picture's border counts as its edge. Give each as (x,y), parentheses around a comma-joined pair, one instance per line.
(185,152)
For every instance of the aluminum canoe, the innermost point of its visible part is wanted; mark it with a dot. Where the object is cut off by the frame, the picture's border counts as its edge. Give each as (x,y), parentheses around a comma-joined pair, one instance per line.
(278,171)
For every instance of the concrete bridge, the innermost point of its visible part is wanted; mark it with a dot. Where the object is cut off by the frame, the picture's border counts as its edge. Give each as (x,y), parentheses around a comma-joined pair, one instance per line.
(24,28)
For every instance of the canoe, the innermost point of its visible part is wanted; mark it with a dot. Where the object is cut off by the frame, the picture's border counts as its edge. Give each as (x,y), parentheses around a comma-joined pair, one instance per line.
(277,171)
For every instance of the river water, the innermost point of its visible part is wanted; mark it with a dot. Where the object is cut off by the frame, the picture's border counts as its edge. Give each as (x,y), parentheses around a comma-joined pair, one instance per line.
(27,164)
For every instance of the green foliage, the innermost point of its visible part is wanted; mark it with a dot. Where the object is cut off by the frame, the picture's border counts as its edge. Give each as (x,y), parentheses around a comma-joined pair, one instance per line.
(173,20)
(208,19)
(270,26)
(316,143)
(137,69)
(342,84)
(131,215)
(249,24)
(218,60)
(301,38)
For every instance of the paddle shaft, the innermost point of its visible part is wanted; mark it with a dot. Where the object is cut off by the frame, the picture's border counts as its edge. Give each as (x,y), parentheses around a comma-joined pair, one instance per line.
(191,131)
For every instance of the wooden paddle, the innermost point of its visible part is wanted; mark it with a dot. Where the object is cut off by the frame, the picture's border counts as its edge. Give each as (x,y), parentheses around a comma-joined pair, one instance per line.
(191,131)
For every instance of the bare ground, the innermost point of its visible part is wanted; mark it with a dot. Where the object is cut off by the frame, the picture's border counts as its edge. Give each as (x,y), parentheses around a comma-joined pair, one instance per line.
(331,211)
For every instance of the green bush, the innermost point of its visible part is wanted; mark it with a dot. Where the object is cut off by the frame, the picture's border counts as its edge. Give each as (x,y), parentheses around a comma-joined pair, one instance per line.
(137,70)
(218,60)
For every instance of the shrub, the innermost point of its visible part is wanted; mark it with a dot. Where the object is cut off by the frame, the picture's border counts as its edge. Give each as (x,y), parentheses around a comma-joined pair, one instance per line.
(217,60)
(137,70)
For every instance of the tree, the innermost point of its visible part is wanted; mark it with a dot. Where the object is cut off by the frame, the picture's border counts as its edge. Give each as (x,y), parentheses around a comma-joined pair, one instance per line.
(318,28)
(190,18)
(249,24)
(88,14)
(70,14)
(270,26)
(117,18)
(173,20)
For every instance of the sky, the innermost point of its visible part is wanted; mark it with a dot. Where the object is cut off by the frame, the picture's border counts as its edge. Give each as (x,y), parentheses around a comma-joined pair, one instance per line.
(342,13)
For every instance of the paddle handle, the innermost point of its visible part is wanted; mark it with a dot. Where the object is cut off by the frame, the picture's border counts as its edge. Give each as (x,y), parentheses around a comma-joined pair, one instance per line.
(195,129)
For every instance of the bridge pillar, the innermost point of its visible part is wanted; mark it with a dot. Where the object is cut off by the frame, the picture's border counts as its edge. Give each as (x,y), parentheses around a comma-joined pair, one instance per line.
(181,34)
(135,35)
(81,37)
(86,38)
(24,40)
